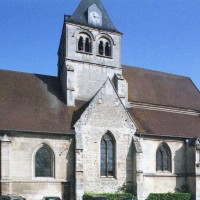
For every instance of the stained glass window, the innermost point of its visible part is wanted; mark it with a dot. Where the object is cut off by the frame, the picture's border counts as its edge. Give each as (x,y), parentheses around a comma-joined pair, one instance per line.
(163,158)
(107,155)
(43,163)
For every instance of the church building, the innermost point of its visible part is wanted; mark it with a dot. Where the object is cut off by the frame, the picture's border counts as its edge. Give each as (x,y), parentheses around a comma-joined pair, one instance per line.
(99,126)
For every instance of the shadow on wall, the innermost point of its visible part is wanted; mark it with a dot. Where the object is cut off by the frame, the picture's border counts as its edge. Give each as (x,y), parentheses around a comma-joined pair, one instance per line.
(128,185)
(180,169)
(129,170)
(53,86)
(68,187)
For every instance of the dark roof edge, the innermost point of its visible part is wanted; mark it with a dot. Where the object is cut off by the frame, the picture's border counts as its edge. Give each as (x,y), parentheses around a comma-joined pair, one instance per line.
(28,73)
(142,134)
(43,132)
(194,85)
(82,24)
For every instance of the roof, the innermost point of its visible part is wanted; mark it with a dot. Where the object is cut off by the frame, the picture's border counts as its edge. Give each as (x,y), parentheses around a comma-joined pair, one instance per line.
(80,15)
(156,122)
(152,87)
(31,102)
(163,90)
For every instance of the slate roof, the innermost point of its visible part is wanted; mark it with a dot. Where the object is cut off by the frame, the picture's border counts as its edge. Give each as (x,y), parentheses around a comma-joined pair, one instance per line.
(80,15)
(31,102)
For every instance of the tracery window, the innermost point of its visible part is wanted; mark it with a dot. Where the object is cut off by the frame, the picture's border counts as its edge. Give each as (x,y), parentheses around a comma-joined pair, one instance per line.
(43,163)
(84,43)
(107,155)
(104,47)
(163,158)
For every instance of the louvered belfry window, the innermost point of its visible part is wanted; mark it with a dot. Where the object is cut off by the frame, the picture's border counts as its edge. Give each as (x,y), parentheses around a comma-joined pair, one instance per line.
(107,155)
(163,158)
(43,163)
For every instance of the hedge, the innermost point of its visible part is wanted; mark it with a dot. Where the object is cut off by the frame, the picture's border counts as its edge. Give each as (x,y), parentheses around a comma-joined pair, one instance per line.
(111,196)
(169,196)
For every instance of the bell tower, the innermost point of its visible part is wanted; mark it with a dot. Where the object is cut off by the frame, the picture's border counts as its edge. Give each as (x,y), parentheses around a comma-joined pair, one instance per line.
(89,51)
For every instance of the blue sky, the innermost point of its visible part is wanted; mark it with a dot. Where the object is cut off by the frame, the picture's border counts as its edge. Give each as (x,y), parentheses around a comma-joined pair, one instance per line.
(158,35)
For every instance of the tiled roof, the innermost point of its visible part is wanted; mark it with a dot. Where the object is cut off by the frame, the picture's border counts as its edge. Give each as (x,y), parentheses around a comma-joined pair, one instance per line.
(151,87)
(165,123)
(33,102)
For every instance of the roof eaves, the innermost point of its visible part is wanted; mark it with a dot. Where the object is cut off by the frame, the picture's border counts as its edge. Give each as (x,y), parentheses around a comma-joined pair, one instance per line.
(40,132)
(157,135)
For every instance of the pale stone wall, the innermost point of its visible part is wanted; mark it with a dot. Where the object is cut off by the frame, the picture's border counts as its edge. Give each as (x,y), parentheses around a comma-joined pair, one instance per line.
(89,69)
(124,159)
(72,31)
(22,180)
(88,78)
(105,113)
(198,187)
(162,182)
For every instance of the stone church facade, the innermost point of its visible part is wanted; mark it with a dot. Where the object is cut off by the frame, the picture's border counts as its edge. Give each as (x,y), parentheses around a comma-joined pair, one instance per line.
(99,126)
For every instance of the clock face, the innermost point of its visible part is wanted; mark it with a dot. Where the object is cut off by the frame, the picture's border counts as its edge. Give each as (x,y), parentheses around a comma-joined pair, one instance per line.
(95,18)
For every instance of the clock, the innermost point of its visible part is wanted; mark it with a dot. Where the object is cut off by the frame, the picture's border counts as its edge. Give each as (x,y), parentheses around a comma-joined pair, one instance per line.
(94,15)
(95,18)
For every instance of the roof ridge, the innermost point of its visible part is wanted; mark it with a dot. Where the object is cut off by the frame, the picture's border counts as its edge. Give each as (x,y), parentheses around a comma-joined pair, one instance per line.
(155,71)
(27,73)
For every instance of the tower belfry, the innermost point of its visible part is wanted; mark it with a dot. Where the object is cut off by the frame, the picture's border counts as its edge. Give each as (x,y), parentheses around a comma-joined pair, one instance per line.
(89,51)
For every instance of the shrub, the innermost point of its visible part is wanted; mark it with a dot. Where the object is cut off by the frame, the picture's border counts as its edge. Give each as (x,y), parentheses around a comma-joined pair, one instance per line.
(111,196)
(169,196)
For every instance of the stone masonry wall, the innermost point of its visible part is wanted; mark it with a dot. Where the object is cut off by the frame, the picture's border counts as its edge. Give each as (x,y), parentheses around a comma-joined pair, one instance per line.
(22,180)
(106,113)
(158,182)
(90,69)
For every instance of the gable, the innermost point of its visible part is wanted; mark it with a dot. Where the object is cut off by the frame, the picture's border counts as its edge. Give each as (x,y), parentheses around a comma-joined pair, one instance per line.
(106,110)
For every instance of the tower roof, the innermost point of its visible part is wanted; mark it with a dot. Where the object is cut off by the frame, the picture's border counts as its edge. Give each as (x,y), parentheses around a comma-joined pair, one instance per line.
(80,15)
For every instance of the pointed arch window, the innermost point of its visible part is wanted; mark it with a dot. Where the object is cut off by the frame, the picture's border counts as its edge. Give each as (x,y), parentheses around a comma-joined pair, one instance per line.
(163,158)
(107,155)
(43,163)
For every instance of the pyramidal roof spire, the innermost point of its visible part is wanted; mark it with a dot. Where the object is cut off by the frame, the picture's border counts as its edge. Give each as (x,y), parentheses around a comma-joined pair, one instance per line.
(81,15)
